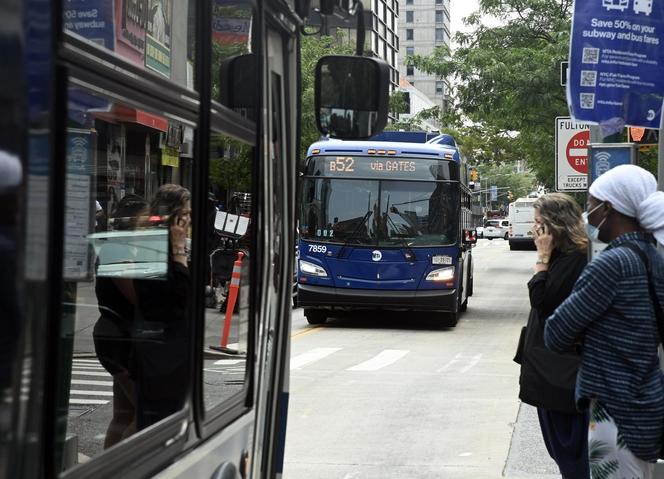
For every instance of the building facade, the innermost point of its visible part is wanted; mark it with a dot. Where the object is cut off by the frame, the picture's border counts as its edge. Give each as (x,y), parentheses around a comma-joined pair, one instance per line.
(423,26)
(381,20)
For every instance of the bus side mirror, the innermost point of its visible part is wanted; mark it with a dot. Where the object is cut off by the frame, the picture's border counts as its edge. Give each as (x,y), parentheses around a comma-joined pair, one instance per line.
(470,237)
(351,96)
(237,75)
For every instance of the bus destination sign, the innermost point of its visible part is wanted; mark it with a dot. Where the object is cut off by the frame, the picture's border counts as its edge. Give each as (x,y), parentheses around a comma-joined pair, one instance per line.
(423,169)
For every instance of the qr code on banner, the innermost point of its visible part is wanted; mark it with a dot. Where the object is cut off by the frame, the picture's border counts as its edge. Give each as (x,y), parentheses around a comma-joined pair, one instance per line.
(590,55)
(588,78)
(587,101)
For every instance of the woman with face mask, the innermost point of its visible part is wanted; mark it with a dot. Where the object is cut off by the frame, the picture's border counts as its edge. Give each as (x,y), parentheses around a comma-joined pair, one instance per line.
(619,381)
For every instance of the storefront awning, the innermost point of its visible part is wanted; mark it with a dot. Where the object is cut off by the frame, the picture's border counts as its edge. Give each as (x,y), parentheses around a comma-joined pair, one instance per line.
(123,114)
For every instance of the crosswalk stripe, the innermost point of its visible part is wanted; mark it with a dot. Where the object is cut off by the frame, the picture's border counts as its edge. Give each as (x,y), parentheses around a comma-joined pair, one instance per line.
(88,368)
(77,392)
(229,362)
(381,360)
(89,361)
(86,382)
(305,359)
(90,373)
(82,402)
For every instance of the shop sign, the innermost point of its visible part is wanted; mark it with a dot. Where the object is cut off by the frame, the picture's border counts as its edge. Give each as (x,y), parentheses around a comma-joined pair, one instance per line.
(91,19)
(170,157)
(158,37)
(131,21)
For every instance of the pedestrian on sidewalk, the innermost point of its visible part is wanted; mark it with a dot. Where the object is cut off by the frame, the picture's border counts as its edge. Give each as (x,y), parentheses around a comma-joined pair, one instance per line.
(548,378)
(619,380)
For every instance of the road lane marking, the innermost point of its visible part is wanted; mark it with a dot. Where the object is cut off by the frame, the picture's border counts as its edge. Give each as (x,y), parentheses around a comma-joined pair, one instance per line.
(381,360)
(309,330)
(461,359)
(82,402)
(76,392)
(89,373)
(229,362)
(476,359)
(85,382)
(305,359)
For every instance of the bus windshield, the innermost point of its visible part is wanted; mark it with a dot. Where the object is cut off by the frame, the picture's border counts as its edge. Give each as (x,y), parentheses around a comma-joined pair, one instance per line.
(379,212)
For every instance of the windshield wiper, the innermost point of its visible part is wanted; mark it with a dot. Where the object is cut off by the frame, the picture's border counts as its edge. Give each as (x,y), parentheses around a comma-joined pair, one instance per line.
(352,236)
(410,254)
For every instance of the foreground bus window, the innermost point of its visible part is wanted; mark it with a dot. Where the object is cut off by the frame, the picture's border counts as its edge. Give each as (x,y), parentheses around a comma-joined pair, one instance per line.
(156,35)
(230,254)
(124,339)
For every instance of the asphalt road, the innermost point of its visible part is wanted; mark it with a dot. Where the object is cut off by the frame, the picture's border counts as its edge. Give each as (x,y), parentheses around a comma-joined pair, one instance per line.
(392,395)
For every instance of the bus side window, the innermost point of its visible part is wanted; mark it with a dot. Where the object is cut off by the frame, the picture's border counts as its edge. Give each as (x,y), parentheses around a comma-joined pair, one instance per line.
(228,319)
(124,339)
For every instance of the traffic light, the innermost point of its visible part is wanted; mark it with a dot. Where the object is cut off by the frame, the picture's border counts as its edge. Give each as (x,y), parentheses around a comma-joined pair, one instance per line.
(510,196)
(474,175)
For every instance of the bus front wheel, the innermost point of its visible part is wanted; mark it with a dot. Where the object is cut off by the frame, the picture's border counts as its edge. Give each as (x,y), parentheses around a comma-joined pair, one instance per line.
(315,316)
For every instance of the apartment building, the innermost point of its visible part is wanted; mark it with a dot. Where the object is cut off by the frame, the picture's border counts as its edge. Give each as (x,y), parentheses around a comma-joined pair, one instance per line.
(381,19)
(423,26)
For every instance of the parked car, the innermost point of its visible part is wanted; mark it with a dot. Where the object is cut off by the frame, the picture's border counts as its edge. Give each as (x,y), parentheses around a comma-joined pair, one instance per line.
(497,228)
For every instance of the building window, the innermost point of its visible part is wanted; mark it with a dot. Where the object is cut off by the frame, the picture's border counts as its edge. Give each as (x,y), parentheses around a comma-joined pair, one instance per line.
(439,35)
(439,16)
(410,51)
(409,16)
(410,70)
(409,34)
(439,2)
(440,87)
(409,2)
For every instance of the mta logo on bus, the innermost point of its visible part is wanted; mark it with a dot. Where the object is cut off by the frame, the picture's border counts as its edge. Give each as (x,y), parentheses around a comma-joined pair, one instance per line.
(376,255)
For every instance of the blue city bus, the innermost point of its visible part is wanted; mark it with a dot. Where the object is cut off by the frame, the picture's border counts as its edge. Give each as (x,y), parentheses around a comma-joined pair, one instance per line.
(385,225)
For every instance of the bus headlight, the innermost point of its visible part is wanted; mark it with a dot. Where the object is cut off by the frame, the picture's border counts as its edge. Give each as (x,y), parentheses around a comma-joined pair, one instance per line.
(312,269)
(442,274)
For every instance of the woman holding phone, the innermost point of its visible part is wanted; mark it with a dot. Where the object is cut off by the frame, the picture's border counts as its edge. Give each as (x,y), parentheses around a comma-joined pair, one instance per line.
(161,348)
(548,379)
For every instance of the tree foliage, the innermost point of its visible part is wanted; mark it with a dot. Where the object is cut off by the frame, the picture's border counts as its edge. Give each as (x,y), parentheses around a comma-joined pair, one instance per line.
(507,92)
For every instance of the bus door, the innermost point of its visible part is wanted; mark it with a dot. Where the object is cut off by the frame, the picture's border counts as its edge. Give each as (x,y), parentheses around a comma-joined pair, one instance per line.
(278,164)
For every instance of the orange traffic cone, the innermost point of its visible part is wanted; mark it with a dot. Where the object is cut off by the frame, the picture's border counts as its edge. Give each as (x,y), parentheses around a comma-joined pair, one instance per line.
(230,305)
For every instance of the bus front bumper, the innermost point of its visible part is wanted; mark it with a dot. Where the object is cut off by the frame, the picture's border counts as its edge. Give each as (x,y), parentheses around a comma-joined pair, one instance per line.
(309,296)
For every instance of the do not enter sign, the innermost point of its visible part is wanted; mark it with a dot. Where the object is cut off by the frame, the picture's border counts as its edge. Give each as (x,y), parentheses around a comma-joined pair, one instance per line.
(577,151)
(572,140)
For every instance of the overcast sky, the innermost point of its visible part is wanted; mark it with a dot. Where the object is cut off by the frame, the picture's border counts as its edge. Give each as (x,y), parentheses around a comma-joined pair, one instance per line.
(460,9)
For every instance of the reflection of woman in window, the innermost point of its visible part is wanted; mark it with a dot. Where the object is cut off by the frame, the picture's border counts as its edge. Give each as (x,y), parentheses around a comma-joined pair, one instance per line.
(162,332)
(112,332)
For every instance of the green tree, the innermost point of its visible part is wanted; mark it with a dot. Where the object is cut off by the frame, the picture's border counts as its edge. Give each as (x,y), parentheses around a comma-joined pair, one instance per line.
(507,81)
(507,180)
(312,48)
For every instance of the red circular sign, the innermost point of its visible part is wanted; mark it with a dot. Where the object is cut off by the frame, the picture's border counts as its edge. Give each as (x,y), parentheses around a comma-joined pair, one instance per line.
(577,151)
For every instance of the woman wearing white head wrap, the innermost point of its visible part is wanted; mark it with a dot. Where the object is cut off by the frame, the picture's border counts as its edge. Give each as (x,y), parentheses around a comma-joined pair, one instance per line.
(611,308)
(632,191)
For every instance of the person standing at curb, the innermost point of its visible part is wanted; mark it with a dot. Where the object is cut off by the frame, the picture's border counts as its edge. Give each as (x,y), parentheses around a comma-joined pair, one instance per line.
(547,378)
(611,307)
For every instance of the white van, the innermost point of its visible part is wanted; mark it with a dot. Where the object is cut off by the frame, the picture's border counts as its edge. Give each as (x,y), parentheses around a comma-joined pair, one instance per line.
(522,218)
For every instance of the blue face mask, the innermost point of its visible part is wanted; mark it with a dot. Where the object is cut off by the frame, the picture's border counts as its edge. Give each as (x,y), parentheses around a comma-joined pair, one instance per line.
(592,231)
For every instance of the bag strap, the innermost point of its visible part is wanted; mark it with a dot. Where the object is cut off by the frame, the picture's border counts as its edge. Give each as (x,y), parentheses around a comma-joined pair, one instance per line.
(651,288)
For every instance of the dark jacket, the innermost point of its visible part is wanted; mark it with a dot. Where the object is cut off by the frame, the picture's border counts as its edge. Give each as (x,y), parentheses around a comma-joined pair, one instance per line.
(547,378)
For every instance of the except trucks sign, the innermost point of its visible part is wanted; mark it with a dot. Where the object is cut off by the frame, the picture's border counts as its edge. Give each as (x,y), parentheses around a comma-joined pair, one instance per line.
(572,141)
(616,69)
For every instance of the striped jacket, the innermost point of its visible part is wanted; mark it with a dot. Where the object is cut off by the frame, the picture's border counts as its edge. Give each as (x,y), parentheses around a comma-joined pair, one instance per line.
(610,307)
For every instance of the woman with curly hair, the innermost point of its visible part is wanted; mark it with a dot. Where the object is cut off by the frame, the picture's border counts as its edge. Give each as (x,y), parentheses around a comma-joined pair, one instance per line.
(548,378)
